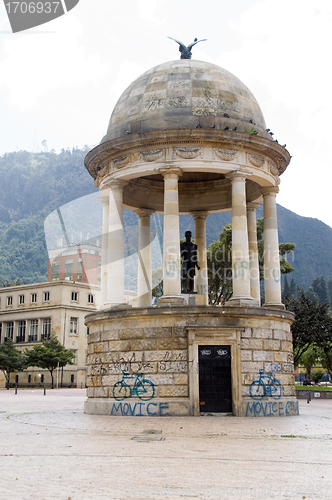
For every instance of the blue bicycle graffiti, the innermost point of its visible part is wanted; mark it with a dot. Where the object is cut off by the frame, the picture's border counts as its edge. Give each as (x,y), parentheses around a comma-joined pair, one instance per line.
(266,385)
(142,388)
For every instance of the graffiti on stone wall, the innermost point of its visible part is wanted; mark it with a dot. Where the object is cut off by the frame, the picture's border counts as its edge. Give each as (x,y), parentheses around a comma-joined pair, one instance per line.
(276,367)
(173,362)
(140,409)
(240,269)
(133,385)
(131,364)
(266,385)
(272,409)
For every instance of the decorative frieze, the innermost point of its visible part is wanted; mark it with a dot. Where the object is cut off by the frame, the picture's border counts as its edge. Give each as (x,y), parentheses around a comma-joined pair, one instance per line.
(120,162)
(153,154)
(188,153)
(255,160)
(274,171)
(225,154)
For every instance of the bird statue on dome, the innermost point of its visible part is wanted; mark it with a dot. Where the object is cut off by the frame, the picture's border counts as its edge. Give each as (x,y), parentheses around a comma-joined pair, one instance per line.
(186,50)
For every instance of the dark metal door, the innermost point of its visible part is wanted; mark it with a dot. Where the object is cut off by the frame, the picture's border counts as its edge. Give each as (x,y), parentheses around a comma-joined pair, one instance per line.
(215,388)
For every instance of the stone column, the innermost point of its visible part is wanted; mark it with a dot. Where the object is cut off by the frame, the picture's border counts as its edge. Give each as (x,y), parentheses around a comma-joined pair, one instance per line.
(115,267)
(253,251)
(104,198)
(144,277)
(272,284)
(171,257)
(240,247)
(201,278)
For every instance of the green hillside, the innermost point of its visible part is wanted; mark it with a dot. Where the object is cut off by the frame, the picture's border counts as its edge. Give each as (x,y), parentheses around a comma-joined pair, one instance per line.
(34,186)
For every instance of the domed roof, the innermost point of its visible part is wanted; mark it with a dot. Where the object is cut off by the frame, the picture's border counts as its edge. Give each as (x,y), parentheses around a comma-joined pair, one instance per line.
(185,94)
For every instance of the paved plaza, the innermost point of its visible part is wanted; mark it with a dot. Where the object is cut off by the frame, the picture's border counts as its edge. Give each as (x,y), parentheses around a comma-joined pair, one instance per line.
(49,449)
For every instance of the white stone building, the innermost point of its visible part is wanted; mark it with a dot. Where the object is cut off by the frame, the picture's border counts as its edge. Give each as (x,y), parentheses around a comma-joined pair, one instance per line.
(28,315)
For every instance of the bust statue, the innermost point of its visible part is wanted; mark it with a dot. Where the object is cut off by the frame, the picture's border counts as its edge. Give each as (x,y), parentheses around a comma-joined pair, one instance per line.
(188,251)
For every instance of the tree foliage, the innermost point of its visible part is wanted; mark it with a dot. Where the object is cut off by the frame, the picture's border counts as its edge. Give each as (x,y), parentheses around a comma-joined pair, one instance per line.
(11,360)
(49,355)
(312,326)
(219,262)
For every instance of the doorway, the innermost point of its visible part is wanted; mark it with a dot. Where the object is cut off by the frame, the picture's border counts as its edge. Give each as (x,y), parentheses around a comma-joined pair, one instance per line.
(215,385)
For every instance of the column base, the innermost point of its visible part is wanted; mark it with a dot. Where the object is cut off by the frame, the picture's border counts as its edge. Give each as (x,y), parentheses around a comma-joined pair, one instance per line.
(242,301)
(274,305)
(195,299)
(171,300)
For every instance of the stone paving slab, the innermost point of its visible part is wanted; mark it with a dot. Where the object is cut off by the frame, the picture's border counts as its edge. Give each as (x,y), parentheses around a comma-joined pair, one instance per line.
(49,449)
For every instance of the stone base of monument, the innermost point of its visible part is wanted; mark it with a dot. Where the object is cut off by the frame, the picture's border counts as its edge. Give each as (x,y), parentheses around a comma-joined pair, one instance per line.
(190,360)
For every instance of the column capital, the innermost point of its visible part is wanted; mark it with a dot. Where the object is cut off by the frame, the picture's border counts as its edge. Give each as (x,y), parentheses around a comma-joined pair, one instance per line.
(251,205)
(171,172)
(272,190)
(104,199)
(113,184)
(238,174)
(144,212)
(200,214)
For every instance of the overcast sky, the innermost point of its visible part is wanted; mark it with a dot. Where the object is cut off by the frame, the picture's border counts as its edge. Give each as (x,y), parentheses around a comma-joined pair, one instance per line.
(59,82)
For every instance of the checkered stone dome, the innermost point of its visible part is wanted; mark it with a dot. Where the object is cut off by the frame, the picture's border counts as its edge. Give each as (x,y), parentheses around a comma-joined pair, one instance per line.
(186,94)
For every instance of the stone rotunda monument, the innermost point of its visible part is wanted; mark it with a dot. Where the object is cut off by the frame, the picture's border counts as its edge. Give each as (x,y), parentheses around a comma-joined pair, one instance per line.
(188,137)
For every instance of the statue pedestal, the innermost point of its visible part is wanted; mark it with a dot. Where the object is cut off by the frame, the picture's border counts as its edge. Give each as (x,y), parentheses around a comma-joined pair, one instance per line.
(194,299)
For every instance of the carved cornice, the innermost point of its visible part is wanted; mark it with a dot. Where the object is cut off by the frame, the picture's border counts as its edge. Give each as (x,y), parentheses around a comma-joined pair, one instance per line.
(225,154)
(198,138)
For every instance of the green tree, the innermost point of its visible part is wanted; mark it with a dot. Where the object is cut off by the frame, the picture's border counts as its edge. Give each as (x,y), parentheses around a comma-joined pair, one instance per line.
(219,262)
(319,287)
(48,355)
(329,290)
(157,282)
(312,325)
(11,360)
(309,359)
(325,356)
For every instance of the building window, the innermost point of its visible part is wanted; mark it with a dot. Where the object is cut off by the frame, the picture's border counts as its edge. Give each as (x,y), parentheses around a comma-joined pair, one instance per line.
(33,334)
(73,326)
(46,329)
(74,296)
(46,296)
(33,298)
(21,299)
(69,269)
(55,269)
(0,332)
(9,330)
(20,337)
(9,301)
(74,358)
(29,378)
(91,299)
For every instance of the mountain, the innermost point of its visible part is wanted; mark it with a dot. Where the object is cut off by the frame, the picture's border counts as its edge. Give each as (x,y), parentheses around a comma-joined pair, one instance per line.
(36,187)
